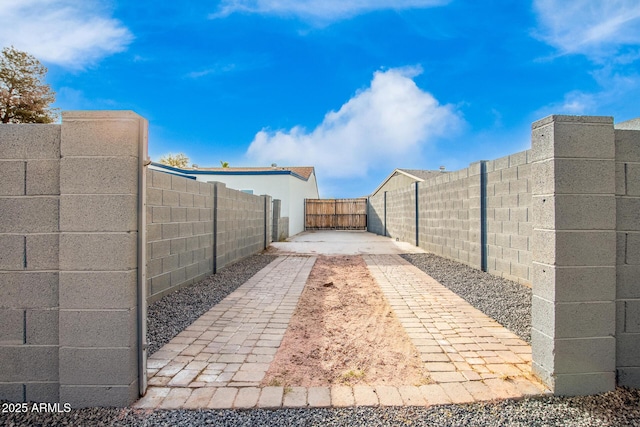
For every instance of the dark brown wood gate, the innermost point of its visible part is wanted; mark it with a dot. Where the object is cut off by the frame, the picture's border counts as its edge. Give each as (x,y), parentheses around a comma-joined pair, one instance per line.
(335,214)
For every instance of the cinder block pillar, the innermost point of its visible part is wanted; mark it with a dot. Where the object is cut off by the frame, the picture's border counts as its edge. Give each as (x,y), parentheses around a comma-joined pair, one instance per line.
(98,257)
(268,220)
(574,254)
(277,208)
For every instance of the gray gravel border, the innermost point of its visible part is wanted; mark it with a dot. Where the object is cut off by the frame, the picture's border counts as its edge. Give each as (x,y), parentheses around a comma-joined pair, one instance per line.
(617,408)
(171,314)
(507,302)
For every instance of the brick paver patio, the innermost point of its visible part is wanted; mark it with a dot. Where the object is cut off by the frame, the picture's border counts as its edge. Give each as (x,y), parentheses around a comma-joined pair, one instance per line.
(220,360)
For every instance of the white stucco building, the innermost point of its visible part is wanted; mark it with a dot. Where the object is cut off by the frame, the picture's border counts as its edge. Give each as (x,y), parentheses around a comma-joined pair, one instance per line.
(290,184)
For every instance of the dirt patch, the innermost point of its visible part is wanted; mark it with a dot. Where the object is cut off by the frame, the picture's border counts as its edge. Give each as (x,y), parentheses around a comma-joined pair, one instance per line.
(344,332)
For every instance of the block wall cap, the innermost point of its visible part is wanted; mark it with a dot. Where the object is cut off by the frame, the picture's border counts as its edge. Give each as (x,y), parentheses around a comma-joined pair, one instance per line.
(572,119)
(100,115)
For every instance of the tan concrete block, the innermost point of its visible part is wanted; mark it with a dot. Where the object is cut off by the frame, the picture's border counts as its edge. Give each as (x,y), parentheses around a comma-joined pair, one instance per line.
(247,397)
(98,366)
(29,215)
(223,398)
(365,396)
(183,378)
(176,398)
(152,398)
(43,177)
(42,251)
(295,397)
(30,141)
(98,175)
(12,252)
(342,396)
(98,212)
(503,389)
(271,397)
(12,177)
(457,392)
(29,289)
(479,390)
(12,332)
(319,397)
(411,395)
(97,328)
(93,251)
(41,326)
(389,396)
(101,133)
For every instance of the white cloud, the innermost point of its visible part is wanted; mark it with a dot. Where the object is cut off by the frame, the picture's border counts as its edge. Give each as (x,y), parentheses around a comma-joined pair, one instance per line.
(70,33)
(319,10)
(388,123)
(595,28)
(616,91)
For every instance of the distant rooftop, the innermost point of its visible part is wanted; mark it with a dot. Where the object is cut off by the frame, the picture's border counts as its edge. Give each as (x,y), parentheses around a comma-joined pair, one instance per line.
(301,172)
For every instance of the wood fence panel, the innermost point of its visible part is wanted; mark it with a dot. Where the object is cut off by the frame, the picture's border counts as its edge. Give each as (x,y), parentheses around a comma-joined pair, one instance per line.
(336,214)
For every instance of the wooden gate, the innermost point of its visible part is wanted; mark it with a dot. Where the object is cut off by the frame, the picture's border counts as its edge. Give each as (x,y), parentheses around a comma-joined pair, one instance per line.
(335,214)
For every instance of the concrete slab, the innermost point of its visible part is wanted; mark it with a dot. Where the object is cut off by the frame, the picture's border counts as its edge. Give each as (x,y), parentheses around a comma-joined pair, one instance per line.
(341,242)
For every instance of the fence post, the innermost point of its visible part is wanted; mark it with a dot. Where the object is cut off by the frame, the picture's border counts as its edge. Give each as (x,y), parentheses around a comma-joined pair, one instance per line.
(574,254)
(483,215)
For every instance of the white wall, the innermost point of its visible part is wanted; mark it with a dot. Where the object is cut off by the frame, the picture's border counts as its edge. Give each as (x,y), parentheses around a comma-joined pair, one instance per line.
(290,190)
(301,190)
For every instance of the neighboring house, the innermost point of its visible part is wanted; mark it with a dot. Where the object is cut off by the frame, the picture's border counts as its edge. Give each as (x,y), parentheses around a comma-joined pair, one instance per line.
(291,185)
(402,178)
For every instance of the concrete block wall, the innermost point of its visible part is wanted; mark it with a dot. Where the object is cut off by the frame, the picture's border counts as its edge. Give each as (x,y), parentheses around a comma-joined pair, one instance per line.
(508,212)
(445,211)
(376,206)
(401,214)
(479,216)
(68,259)
(29,276)
(282,230)
(280,225)
(179,232)
(195,228)
(242,224)
(564,217)
(627,209)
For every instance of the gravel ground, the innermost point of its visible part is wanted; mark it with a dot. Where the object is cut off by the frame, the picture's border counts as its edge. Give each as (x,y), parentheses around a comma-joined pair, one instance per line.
(503,300)
(171,314)
(507,302)
(617,408)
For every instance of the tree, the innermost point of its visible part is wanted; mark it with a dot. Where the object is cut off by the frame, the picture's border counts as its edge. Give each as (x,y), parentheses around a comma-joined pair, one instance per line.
(176,160)
(24,96)
(224,164)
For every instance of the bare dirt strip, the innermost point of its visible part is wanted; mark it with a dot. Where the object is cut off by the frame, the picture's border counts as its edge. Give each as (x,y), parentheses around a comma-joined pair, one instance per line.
(344,332)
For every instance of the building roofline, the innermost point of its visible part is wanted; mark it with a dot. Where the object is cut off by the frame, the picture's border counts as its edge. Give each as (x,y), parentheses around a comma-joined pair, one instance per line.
(191,172)
(391,176)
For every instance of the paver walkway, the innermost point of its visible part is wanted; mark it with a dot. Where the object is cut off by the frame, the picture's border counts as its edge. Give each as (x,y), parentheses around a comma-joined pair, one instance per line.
(219,361)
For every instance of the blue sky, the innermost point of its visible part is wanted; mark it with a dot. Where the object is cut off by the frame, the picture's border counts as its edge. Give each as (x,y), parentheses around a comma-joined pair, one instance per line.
(355,88)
